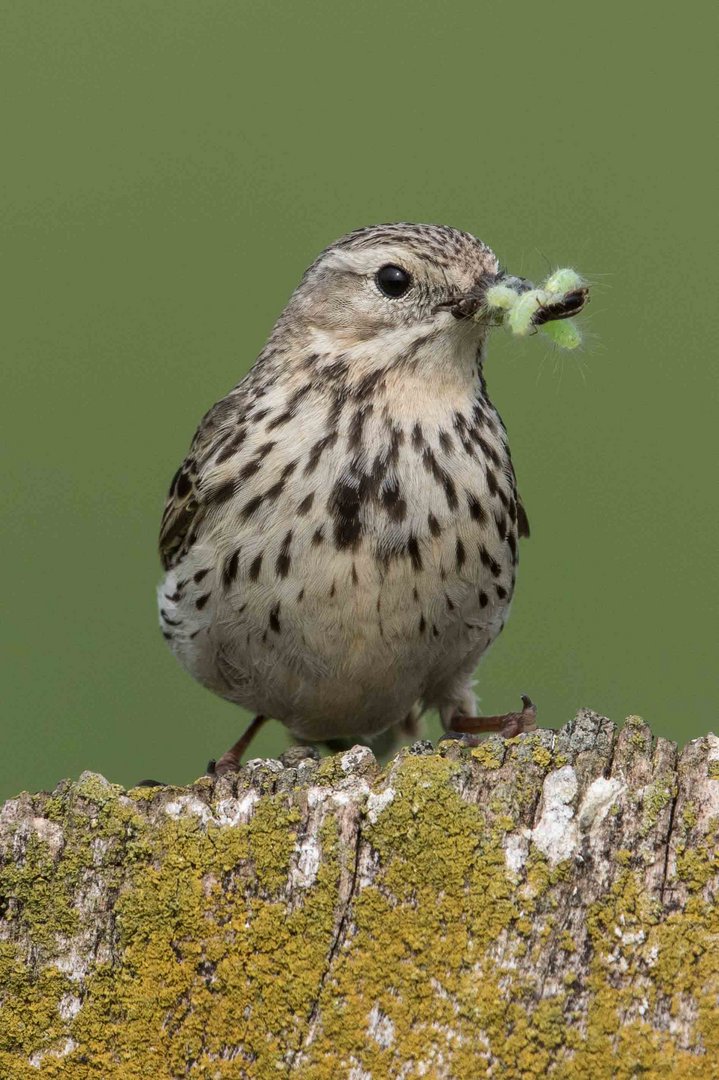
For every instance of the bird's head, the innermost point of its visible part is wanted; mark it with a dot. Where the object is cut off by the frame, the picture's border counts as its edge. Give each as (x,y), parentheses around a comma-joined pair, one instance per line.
(394,294)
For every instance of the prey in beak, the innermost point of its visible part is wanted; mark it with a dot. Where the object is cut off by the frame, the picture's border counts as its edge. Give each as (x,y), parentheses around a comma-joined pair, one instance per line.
(523,307)
(549,303)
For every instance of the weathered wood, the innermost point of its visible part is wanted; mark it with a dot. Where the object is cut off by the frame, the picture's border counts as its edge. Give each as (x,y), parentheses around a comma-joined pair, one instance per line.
(547,905)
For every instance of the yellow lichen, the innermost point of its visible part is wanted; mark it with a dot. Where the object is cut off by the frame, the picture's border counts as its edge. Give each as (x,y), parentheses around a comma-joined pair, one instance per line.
(489,754)
(658,795)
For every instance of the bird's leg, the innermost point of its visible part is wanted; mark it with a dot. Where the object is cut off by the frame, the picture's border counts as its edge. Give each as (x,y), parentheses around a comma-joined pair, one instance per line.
(230,760)
(508,725)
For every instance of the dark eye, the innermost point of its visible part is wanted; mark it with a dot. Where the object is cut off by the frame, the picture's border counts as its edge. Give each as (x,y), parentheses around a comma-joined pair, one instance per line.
(393,281)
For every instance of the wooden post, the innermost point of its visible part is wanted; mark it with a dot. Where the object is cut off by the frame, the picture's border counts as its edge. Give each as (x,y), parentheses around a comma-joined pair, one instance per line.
(546,906)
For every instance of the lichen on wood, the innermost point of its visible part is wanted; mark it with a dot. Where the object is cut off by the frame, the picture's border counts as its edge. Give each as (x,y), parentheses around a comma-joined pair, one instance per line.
(546,905)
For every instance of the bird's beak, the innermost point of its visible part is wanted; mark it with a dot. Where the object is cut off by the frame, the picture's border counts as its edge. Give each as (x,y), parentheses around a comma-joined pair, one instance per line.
(467,306)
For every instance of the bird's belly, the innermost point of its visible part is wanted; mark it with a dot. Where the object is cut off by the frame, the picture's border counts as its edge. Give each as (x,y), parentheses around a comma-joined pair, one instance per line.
(337,643)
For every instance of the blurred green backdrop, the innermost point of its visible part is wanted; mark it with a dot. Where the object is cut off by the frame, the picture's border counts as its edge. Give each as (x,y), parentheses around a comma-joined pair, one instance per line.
(170,168)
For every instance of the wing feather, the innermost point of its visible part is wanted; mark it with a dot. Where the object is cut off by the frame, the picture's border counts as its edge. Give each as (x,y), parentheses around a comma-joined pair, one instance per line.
(187,502)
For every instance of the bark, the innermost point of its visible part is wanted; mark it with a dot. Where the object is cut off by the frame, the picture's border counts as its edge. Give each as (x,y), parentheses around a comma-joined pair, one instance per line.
(542,906)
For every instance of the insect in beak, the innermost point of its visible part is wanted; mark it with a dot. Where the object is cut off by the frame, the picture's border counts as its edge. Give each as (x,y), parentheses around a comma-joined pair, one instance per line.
(565,307)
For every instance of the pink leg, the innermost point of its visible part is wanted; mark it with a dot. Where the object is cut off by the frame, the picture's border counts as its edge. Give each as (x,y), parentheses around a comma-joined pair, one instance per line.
(508,724)
(230,760)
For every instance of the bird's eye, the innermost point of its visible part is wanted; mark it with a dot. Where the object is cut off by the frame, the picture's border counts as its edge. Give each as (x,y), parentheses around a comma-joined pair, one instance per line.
(393,281)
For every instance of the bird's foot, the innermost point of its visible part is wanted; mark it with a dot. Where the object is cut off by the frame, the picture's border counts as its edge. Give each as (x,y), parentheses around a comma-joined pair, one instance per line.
(469,728)
(230,760)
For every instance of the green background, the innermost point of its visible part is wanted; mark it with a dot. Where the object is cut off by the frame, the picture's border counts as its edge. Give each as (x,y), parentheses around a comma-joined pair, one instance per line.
(170,168)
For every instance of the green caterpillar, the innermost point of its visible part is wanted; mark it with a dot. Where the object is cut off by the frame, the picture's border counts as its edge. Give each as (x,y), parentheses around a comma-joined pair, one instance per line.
(541,307)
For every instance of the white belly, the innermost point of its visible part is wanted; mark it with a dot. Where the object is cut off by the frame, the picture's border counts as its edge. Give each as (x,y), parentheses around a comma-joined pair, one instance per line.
(342,645)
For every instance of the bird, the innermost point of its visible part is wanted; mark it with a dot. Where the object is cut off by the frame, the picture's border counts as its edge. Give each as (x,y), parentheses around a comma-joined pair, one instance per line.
(340,544)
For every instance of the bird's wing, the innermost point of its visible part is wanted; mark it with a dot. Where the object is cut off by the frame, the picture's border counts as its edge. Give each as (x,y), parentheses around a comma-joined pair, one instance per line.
(522,519)
(187,502)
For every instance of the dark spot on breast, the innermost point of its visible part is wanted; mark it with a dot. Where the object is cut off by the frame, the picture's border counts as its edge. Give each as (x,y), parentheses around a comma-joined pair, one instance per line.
(167,635)
(344,506)
(202,600)
(368,384)
(483,599)
(460,554)
(393,503)
(231,446)
(318,536)
(298,395)
(250,469)
(488,560)
(275,618)
(354,434)
(476,509)
(199,575)
(275,491)
(280,420)
(445,442)
(251,506)
(501,592)
(300,595)
(503,498)
(288,470)
(282,564)
(434,526)
(229,571)
(414,553)
(318,449)
(501,523)
(255,567)
(355,579)
(435,631)
(441,476)
(491,482)
(396,440)
(489,452)
(306,503)
(450,605)
(461,424)
(422,624)
(512,543)
(174,598)
(184,485)
(223,492)
(418,440)
(415,594)
(332,589)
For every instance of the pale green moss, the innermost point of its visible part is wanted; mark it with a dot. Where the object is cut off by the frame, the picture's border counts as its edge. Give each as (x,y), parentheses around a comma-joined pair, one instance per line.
(713,770)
